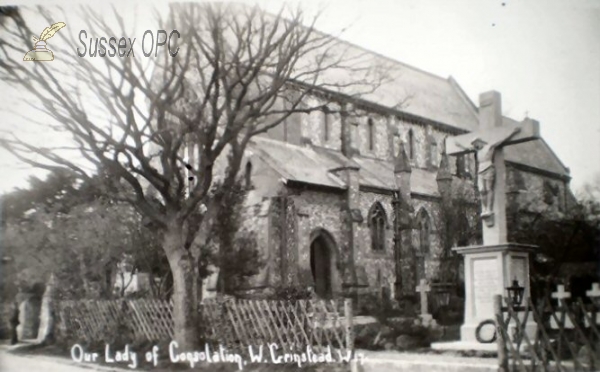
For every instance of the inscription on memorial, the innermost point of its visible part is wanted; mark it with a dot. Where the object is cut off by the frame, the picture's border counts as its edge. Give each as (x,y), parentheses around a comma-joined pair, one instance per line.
(486,281)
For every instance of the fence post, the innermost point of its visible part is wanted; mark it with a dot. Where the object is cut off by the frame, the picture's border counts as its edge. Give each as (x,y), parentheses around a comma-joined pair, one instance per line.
(348,317)
(502,352)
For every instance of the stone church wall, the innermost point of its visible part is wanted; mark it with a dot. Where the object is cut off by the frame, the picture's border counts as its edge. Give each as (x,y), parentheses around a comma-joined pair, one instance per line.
(322,209)
(376,262)
(317,210)
(431,258)
(537,192)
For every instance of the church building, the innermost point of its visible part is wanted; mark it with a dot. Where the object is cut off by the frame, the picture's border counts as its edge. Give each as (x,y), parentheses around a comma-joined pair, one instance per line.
(349,200)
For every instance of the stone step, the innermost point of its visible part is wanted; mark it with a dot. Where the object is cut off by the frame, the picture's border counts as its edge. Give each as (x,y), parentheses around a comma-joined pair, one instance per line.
(399,362)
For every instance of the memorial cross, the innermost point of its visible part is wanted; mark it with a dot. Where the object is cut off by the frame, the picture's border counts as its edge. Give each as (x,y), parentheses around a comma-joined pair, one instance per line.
(594,292)
(423,288)
(488,142)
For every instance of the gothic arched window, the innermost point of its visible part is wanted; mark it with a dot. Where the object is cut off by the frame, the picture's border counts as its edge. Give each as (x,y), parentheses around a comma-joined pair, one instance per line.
(411,144)
(377,225)
(424,228)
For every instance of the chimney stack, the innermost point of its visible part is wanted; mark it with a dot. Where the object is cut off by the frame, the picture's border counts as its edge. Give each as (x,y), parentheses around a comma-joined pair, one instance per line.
(490,110)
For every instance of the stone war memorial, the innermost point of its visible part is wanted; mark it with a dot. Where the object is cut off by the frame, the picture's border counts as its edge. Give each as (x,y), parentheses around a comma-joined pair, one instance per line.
(492,267)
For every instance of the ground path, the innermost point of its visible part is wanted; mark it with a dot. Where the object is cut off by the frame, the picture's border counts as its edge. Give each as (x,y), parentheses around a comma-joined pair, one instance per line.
(384,361)
(390,361)
(26,363)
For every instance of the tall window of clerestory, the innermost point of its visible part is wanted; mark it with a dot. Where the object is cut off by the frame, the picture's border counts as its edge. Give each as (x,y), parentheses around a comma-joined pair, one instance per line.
(411,144)
(433,154)
(326,124)
(371,134)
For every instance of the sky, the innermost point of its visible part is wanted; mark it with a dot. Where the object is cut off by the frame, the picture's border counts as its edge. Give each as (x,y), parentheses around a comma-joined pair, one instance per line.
(543,56)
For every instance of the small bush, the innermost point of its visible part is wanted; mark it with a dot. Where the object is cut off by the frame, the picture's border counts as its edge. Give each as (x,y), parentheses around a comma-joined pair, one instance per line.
(291,293)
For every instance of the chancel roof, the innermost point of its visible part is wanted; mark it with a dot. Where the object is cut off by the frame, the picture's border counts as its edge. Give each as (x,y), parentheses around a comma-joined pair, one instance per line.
(536,154)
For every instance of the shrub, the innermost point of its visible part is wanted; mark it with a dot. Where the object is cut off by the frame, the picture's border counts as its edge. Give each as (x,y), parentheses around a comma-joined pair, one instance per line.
(291,293)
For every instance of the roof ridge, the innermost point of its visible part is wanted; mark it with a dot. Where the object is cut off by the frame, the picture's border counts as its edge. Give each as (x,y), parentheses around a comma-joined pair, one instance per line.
(339,39)
(461,92)
(567,169)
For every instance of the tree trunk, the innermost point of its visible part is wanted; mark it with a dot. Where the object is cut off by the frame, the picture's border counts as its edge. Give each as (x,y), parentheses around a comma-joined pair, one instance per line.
(185,304)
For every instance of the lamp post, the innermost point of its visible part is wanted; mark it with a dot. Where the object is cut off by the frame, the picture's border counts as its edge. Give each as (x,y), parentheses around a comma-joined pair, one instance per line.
(515,294)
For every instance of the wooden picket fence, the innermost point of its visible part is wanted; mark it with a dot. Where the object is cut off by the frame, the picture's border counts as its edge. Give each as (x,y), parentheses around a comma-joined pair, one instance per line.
(234,323)
(103,321)
(291,325)
(566,335)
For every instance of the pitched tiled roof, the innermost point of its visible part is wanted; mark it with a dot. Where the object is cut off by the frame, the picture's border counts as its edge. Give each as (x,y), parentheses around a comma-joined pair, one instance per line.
(297,163)
(432,97)
(427,95)
(380,174)
(314,166)
(536,154)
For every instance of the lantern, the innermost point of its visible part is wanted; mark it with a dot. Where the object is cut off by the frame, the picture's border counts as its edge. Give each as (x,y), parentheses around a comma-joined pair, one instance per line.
(515,293)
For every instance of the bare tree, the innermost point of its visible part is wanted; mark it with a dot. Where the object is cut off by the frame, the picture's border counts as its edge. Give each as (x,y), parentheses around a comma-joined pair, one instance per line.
(238,73)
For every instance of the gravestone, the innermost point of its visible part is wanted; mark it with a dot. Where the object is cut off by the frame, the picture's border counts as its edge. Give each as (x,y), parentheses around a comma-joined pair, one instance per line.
(423,289)
(593,294)
(490,268)
(566,322)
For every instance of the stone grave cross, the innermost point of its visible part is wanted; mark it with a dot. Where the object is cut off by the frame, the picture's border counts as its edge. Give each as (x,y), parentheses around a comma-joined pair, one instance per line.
(561,294)
(488,142)
(593,294)
(423,288)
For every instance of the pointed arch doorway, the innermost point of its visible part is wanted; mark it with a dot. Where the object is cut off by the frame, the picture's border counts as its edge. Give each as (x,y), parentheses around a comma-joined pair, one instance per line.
(323,255)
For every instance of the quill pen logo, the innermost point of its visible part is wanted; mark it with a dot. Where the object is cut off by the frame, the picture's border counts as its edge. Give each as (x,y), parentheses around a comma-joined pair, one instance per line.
(41,53)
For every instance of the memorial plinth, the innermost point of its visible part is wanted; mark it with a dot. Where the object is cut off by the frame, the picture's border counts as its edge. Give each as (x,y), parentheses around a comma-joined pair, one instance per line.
(489,270)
